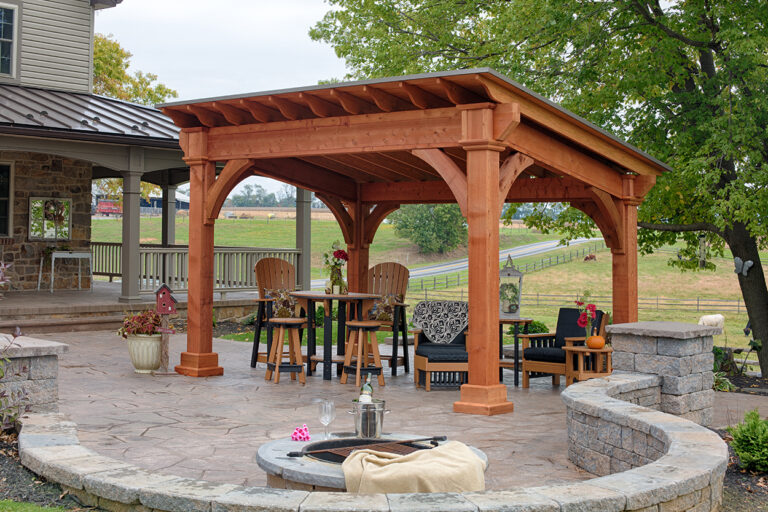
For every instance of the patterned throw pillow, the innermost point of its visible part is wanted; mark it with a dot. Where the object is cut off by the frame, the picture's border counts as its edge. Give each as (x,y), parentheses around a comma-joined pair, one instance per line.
(441,320)
(383,309)
(283,305)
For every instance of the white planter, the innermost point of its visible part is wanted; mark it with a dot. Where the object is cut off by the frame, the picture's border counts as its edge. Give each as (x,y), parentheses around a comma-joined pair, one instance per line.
(144,350)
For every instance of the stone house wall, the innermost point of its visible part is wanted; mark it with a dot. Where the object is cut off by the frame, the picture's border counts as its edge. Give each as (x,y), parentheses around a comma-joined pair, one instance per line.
(44,175)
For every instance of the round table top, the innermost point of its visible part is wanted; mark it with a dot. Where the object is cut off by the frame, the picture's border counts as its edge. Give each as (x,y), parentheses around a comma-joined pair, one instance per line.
(321,295)
(511,320)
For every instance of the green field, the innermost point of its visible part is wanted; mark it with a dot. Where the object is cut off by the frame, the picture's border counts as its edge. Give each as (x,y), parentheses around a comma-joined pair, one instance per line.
(12,506)
(281,233)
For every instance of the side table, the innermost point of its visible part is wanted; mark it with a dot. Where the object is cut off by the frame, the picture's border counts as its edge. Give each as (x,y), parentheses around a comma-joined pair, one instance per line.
(599,363)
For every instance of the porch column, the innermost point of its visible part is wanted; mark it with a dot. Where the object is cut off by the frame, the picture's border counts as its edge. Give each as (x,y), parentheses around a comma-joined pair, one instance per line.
(131,226)
(199,360)
(304,237)
(168,236)
(483,394)
(625,267)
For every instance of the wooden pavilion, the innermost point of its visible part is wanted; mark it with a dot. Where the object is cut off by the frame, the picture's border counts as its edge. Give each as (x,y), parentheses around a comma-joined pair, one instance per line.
(473,137)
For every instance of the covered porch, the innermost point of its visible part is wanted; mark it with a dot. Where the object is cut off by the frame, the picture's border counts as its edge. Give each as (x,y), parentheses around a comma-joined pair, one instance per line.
(472,137)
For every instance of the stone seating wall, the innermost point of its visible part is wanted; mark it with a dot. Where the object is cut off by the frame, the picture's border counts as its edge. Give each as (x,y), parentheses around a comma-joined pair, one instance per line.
(30,372)
(676,465)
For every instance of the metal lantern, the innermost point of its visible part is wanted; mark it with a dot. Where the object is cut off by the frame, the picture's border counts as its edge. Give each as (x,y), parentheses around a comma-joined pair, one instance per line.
(510,290)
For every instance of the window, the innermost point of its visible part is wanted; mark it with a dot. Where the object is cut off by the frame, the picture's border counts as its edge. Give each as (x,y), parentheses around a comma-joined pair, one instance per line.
(49,218)
(7,36)
(6,198)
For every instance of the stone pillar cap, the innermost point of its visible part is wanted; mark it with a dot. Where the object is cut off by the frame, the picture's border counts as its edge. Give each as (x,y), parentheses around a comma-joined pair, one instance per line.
(678,330)
(24,346)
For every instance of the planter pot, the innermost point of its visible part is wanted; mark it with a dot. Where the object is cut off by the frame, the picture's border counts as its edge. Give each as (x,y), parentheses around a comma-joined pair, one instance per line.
(144,351)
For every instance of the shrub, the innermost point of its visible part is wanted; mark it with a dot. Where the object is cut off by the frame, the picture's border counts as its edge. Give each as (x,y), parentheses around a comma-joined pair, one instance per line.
(750,442)
(721,382)
(534,327)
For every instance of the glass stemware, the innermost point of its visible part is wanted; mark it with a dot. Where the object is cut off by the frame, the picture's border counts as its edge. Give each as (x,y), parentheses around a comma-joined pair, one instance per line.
(327,414)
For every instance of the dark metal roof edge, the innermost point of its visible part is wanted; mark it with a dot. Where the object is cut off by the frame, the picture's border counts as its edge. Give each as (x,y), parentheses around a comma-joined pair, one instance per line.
(435,74)
(58,133)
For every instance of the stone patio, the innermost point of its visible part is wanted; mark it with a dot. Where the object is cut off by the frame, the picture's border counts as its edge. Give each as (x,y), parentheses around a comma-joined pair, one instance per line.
(210,428)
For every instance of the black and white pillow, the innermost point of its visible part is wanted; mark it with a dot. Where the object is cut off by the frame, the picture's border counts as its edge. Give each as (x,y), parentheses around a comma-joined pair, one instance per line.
(441,320)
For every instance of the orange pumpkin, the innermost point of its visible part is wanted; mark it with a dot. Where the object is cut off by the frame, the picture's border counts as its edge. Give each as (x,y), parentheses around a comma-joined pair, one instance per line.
(595,342)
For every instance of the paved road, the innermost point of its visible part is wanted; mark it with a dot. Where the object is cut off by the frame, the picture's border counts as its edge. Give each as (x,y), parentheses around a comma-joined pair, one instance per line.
(459,265)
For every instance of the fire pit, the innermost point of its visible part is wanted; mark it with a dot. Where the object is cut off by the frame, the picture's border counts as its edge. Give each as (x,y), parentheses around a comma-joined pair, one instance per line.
(318,465)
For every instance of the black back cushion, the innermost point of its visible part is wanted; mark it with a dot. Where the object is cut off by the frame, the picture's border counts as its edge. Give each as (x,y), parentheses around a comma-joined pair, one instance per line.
(568,327)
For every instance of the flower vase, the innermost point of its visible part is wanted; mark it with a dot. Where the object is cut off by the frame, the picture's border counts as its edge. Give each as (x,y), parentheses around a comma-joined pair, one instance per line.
(336,283)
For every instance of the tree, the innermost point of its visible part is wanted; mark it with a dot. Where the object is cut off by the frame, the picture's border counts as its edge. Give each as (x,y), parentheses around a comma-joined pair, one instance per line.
(111,77)
(286,196)
(435,228)
(685,81)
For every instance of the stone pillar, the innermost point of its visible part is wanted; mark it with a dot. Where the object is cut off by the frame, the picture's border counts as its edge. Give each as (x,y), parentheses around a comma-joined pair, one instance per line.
(31,371)
(304,237)
(681,354)
(131,226)
(169,215)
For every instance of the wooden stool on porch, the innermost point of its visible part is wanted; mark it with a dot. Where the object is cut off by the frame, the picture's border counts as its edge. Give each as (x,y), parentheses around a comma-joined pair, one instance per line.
(275,362)
(364,344)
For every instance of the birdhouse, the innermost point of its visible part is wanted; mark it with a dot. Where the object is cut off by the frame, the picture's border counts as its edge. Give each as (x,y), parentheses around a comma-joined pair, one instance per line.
(510,290)
(166,303)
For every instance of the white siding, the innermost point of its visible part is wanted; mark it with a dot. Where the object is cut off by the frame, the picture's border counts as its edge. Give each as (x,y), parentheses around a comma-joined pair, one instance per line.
(56,48)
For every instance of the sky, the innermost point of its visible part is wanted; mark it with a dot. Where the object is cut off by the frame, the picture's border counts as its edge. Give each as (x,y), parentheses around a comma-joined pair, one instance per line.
(203,48)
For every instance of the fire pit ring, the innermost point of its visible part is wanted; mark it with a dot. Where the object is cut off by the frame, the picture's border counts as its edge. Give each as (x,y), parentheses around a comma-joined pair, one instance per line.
(308,472)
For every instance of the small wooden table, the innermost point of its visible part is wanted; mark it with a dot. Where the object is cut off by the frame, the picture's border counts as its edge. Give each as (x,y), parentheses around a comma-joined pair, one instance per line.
(515,363)
(599,363)
(307,299)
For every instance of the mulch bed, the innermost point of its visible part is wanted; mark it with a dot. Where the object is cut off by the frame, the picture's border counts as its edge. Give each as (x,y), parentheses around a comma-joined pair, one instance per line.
(19,484)
(743,491)
(750,384)
(219,330)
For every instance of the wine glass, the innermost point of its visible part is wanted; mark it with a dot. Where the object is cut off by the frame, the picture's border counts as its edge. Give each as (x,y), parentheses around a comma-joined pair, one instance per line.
(327,414)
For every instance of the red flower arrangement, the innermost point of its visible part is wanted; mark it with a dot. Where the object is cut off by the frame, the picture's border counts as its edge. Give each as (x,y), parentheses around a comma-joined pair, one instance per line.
(588,314)
(341,254)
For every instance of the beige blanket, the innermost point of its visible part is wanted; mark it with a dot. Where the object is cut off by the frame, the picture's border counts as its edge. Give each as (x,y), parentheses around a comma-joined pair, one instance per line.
(450,467)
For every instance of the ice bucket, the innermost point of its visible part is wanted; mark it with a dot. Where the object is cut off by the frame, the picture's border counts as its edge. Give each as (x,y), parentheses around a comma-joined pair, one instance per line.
(369,418)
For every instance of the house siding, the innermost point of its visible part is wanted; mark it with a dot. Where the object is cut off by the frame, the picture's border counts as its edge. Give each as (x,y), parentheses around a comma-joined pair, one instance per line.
(43,175)
(56,44)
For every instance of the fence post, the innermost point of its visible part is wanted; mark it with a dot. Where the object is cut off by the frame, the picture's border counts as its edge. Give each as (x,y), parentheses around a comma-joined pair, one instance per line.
(697,303)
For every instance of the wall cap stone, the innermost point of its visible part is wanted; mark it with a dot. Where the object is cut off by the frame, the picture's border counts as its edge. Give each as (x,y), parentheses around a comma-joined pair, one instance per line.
(678,330)
(24,346)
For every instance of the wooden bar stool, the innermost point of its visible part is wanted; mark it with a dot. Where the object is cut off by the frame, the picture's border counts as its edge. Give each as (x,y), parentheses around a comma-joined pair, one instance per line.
(275,362)
(364,344)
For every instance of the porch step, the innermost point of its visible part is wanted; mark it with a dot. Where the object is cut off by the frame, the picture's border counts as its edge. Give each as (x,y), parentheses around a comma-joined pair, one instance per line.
(84,323)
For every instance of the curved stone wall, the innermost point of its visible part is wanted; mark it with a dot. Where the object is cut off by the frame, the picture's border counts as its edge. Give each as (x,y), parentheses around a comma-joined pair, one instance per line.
(676,465)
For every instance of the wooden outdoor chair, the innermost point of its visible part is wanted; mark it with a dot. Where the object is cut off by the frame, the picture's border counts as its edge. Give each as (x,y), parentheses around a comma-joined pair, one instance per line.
(440,354)
(271,274)
(544,354)
(391,280)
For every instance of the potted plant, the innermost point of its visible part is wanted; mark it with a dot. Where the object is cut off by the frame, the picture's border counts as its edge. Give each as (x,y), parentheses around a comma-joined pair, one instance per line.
(141,333)
(509,297)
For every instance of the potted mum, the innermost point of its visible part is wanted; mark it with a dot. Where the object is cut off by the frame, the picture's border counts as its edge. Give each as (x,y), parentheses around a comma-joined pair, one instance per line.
(144,340)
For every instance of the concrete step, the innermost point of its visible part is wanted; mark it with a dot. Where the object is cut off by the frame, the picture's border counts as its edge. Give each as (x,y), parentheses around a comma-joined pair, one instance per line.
(84,323)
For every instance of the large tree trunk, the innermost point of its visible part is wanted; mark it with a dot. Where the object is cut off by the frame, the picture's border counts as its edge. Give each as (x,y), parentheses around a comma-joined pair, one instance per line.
(753,286)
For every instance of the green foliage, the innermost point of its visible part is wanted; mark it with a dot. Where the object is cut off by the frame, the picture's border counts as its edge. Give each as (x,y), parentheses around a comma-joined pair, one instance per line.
(320,315)
(534,327)
(13,506)
(750,442)
(685,81)
(111,78)
(721,382)
(434,228)
(146,323)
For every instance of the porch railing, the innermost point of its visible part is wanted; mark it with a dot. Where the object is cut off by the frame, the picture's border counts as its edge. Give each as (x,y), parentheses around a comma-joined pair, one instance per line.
(232,266)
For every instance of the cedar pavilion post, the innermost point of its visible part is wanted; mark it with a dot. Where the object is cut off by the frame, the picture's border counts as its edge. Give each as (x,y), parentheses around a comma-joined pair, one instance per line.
(471,137)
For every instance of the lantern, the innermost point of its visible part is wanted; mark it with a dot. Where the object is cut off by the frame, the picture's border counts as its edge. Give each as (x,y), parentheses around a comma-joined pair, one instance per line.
(510,290)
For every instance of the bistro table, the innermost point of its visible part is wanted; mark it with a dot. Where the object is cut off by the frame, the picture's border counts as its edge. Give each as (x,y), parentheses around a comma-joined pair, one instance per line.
(515,365)
(362,302)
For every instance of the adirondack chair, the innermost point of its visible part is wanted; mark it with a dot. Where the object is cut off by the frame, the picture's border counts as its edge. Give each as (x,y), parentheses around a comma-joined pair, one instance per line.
(543,353)
(271,274)
(391,281)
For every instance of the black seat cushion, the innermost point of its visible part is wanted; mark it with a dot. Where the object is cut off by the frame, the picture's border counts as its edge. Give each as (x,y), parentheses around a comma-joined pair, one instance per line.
(545,354)
(442,353)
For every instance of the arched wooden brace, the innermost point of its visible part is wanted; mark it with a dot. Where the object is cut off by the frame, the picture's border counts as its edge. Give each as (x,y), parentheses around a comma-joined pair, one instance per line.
(233,173)
(509,171)
(449,171)
(358,223)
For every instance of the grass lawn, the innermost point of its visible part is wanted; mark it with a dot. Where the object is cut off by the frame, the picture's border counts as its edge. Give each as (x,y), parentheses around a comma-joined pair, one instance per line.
(12,506)
(281,233)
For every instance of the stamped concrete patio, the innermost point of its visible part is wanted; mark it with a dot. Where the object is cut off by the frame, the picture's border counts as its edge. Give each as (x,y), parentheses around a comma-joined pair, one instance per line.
(210,428)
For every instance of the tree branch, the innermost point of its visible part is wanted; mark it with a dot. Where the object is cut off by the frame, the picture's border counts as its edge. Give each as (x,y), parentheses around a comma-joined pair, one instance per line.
(671,33)
(680,228)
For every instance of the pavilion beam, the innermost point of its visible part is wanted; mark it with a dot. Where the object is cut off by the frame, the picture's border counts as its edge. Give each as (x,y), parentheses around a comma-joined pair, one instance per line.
(385,101)
(199,360)
(342,216)
(450,172)
(321,107)
(510,170)
(534,190)
(302,174)
(233,173)
(483,394)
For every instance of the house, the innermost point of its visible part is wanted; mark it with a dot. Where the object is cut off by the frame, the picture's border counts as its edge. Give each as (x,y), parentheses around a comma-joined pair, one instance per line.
(56,136)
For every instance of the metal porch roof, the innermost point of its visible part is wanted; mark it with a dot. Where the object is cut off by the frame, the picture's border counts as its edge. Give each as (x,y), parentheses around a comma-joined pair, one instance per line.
(61,114)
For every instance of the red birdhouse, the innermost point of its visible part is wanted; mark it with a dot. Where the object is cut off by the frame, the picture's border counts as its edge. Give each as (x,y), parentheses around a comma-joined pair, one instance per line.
(166,303)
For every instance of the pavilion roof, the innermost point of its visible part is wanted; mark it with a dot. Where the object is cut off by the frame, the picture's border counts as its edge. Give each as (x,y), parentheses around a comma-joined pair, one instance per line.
(404,93)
